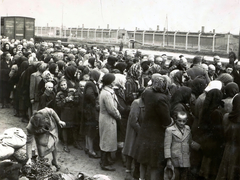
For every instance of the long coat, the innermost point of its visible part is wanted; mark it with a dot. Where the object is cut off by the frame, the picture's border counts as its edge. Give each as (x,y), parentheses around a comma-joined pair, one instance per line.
(230,164)
(90,109)
(176,146)
(133,126)
(35,79)
(107,120)
(150,140)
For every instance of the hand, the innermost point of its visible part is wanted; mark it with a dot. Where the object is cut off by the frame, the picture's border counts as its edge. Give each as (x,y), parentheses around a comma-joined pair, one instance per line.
(32,101)
(195,146)
(169,163)
(62,124)
(29,162)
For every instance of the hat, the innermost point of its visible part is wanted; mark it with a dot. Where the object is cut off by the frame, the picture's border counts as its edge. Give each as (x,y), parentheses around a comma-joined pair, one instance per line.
(169,173)
(211,67)
(215,84)
(107,79)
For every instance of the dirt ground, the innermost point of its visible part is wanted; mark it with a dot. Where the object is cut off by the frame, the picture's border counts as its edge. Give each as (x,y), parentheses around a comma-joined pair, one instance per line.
(74,162)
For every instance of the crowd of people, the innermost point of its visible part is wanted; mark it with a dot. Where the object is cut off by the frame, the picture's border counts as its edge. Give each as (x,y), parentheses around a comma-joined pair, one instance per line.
(164,119)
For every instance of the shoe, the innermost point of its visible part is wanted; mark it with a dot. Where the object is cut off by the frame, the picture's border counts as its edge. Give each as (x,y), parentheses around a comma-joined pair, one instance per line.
(128,176)
(93,155)
(57,166)
(108,168)
(65,148)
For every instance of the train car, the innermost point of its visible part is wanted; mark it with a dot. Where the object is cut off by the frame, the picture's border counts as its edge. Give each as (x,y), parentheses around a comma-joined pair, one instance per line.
(18,27)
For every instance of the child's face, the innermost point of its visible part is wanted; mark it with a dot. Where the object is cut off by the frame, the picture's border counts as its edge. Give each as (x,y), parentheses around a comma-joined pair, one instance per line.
(49,88)
(63,85)
(181,121)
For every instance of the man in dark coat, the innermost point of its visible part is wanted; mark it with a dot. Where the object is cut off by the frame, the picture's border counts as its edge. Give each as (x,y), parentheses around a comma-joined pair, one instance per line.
(197,70)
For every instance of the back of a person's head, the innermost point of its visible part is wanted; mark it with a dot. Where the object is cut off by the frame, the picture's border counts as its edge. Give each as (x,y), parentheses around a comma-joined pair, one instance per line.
(197,60)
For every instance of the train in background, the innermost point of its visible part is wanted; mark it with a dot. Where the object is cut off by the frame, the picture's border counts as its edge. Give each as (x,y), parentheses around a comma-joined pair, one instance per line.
(18,27)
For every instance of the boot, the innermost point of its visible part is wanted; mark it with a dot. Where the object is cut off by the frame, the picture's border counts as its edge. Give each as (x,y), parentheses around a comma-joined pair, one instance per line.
(128,175)
(103,163)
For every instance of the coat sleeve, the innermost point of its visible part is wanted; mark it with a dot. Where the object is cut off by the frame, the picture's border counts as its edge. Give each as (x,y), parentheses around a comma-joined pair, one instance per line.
(30,137)
(167,143)
(129,92)
(134,116)
(32,86)
(111,109)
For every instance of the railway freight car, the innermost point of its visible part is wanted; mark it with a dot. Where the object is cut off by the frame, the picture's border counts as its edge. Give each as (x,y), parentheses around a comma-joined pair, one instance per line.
(18,27)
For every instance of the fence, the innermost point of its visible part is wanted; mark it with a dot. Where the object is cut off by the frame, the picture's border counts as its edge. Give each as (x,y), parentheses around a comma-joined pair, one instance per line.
(190,41)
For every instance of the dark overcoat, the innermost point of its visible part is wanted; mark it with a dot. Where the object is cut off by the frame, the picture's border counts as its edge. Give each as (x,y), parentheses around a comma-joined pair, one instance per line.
(150,141)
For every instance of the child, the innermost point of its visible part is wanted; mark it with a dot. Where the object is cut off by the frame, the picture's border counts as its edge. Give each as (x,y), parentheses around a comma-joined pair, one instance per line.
(67,100)
(177,141)
(48,97)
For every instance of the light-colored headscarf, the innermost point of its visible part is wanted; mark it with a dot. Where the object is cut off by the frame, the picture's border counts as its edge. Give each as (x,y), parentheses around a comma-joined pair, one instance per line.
(120,80)
(159,83)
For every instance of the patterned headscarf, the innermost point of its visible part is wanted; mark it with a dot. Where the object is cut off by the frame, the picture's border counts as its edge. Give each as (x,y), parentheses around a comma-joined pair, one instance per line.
(120,80)
(135,71)
(47,76)
(159,83)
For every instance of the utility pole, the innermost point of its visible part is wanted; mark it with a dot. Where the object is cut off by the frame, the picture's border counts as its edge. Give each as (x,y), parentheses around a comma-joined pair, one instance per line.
(239,46)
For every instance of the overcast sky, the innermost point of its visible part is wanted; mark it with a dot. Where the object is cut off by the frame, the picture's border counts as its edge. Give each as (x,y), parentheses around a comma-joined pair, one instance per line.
(182,15)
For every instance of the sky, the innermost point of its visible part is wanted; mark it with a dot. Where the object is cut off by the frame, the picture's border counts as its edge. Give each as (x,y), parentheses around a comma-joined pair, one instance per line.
(174,15)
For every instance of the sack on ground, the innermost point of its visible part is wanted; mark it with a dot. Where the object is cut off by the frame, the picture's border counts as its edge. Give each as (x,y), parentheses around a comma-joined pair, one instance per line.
(5,151)
(14,137)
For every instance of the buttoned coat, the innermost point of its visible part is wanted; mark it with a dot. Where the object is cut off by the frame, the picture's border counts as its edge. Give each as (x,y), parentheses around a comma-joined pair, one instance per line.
(176,146)
(35,79)
(107,120)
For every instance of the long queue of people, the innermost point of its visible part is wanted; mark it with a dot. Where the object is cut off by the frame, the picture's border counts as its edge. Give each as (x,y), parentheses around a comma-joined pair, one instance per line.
(167,120)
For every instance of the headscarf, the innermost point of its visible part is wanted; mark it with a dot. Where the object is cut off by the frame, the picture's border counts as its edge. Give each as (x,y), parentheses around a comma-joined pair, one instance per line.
(212,101)
(111,60)
(231,89)
(177,78)
(225,78)
(120,80)
(107,79)
(159,83)
(234,115)
(121,66)
(135,71)
(181,95)
(94,75)
(47,76)
(198,85)
(91,61)
(52,68)
(70,72)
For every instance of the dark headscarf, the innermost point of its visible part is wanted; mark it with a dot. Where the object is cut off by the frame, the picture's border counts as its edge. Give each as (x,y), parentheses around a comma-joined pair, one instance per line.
(181,95)
(52,68)
(91,61)
(94,75)
(198,85)
(61,65)
(121,66)
(212,101)
(234,115)
(231,89)
(70,72)
(111,60)
(107,79)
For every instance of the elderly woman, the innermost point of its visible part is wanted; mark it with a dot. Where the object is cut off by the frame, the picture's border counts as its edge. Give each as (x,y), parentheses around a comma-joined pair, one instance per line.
(231,90)
(43,128)
(149,149)
(109,114)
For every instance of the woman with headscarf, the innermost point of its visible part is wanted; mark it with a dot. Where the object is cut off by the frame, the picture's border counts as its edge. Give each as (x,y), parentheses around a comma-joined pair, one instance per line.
(109,114)
(53,68)
(180,101)
(210,134)
(225,78)
(43,128)
(90,115)
(149,150)
(61,68)
(132,84)
(124,109)
(230,165)
(231,90)
(110,65)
